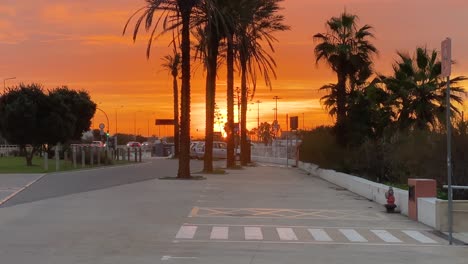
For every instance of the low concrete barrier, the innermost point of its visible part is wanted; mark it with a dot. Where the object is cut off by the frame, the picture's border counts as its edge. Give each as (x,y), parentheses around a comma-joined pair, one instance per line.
(460,215)
(368,189)
(427,211)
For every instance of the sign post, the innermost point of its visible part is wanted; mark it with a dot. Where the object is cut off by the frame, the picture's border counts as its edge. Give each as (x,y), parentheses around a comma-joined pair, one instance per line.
(446,71)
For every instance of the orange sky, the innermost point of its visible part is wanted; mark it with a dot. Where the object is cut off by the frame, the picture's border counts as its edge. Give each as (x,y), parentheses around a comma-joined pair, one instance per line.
(79,44)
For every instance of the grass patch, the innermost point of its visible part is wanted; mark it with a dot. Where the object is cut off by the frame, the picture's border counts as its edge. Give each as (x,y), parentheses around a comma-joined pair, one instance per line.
(18,165)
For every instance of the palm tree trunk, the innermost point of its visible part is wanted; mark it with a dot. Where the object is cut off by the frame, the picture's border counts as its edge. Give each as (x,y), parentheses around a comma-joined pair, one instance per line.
(244,143)
(231,160)
(210,102)
(184,159)
(341,109)
(176,116)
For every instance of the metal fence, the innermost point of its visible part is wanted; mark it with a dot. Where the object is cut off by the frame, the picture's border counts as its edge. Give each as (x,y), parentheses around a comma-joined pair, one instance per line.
(278,149)
(8,150)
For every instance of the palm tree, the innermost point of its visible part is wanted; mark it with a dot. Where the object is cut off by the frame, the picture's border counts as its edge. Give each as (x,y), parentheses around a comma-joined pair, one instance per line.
(258,20)
(346,49)
(213,28)
(418,91)
(172,14)
(172,65)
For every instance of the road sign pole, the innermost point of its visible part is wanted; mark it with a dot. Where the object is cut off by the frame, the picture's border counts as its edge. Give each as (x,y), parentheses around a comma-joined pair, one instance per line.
(449,165)
(446,71)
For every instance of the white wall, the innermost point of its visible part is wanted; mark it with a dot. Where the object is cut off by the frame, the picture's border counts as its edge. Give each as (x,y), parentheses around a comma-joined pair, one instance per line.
(427,211)
(368,189)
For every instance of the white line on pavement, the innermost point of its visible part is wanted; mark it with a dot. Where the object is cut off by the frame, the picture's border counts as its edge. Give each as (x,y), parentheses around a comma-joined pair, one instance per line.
(186,232)
(352,235)
(253,233)
(320,235)
(286,233)
(219,232)
(419,237)
(386,236)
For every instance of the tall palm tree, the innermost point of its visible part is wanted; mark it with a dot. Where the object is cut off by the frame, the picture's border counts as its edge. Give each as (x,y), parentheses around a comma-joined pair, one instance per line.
(346,49)
(172,64)
(172,14)
(213,19)
(418,91)
(258,21)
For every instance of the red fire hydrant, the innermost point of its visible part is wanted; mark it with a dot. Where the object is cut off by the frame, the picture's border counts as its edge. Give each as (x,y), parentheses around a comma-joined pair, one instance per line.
(390,201)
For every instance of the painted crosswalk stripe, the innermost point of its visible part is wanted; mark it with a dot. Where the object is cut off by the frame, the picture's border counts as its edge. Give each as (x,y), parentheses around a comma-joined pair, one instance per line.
(219,232)
(419,237)
(253,233)
(386,236)
(286,234)
(352,235)
(187,232)
(320,235)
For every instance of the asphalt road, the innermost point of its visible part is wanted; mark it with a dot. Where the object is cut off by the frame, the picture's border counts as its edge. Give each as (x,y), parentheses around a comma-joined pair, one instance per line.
(255,215)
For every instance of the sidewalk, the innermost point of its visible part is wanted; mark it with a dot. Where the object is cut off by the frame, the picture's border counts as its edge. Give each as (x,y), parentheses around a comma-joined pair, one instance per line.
(12,184)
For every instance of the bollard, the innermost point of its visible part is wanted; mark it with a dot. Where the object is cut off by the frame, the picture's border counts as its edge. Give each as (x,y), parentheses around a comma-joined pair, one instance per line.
(91,156)
(140,154)
(57,158)
(46,161)
(128,155)
(65,156)
(74,156)
(82,157)
(99,157)
(106,155)
(136,160)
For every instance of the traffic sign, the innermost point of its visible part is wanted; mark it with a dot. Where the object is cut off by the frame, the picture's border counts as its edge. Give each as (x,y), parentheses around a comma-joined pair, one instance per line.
(446,57)
(102,126)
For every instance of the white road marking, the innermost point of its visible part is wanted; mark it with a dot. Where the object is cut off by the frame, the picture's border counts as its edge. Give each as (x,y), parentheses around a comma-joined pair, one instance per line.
(320,235)
(352,235)
(419,237)
(253,233)
(286,234)
(219,232)
(186,232)
(171,257)
(386,236)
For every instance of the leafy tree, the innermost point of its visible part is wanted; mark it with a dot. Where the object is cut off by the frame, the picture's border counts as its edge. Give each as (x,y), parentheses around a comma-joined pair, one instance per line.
(78,107)
(347,50)
(172,65)
(172,14)
(266,133)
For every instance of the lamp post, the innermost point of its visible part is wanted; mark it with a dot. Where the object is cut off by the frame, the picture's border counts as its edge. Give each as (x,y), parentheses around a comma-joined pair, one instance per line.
(258,113)
(6,79)
(276,98)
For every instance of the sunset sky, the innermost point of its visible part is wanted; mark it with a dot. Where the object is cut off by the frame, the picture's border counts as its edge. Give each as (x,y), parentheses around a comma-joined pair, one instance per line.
(80,44)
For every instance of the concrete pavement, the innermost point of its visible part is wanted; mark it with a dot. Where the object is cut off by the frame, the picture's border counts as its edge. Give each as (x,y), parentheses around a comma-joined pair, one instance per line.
(254,215)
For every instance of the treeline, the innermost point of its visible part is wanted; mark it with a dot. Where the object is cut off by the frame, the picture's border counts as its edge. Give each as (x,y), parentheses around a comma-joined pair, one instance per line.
(29,115)
(388,127)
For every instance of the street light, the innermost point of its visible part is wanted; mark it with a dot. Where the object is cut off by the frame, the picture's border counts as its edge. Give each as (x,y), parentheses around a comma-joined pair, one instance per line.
(6,79)
(258,113)
(276,98)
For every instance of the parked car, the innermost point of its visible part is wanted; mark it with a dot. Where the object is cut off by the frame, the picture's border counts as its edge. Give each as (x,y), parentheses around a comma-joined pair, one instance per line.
(98,144)
(193,152)
(133,144)
(219,150)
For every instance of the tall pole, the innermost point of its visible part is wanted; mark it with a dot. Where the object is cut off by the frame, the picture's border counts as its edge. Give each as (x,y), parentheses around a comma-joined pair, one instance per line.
(445,72)
(303,121)
(449,163)
(276,108)
(258,113)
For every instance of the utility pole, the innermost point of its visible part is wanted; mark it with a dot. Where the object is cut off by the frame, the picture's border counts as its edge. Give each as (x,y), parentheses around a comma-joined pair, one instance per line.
(258,113)
(276,98)
(303,122)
